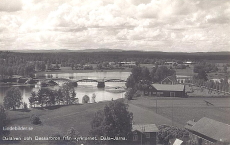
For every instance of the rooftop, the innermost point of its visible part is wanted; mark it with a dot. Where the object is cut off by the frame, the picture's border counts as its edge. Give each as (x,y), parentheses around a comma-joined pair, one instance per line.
(145,127)
(212,129)
(165,87)
(171,78)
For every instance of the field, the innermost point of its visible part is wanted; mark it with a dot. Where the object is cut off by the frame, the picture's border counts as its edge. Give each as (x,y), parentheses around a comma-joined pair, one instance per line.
(56,120)
(180,110)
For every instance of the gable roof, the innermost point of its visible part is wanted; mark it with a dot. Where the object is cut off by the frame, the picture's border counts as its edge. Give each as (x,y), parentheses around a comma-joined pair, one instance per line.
(165,87)
(212,129)
(171,78)
(145,127)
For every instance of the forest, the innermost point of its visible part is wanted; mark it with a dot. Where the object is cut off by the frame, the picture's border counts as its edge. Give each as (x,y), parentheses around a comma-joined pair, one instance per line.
(23,63)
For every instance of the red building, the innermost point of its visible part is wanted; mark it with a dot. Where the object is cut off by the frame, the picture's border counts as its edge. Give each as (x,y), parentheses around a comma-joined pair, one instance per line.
(163,90)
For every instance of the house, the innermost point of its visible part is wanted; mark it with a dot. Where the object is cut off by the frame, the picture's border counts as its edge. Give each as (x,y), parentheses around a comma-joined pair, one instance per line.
(183,79)
(207,131)
(145,134)
(171,80)
(165,90)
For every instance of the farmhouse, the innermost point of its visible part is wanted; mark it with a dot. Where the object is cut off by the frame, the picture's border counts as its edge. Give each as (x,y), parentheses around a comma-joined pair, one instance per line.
(144,134)
(165,90)
(207,131)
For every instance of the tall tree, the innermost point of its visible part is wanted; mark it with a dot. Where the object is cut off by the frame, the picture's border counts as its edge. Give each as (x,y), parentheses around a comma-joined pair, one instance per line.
(13,98)
(202,75)
(67,89)
(162,72)
(32,98)
(145,73)
(114,120)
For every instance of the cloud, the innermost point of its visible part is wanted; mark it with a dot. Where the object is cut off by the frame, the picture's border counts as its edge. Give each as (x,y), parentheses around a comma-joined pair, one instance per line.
(169,25)
(10,5)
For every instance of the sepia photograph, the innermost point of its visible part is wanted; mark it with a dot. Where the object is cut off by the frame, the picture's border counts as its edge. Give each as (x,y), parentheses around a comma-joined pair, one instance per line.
(115,72)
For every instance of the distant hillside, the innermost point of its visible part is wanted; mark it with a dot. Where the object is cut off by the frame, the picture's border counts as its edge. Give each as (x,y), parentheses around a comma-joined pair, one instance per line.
(67,50)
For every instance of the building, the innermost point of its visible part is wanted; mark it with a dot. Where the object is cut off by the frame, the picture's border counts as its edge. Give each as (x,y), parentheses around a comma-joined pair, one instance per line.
(183,79)
(145,134)
(165,90)
(189,63)
(170,80)
(127,64)
(207,131)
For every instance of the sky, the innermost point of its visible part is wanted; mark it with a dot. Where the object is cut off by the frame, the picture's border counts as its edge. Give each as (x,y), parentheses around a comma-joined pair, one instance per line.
(149,25)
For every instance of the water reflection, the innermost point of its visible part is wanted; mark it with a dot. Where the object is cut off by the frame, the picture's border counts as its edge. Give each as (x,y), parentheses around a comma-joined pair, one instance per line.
(84,88)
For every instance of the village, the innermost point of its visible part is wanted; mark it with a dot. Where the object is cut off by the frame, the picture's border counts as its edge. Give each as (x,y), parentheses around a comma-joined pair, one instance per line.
(170,103)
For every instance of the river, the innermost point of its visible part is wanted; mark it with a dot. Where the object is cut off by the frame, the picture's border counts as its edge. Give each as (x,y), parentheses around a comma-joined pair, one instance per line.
(83,88)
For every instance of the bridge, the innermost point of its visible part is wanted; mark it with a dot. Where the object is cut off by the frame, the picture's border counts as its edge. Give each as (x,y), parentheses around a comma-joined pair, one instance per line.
(101,82)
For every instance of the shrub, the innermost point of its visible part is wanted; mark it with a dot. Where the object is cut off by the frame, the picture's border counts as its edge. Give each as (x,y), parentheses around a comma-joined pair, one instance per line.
(34,119)
(85,99)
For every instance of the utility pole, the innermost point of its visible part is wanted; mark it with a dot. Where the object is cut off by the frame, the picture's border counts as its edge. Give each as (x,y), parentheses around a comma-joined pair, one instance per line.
(142,131)
(172,111)
(156,104)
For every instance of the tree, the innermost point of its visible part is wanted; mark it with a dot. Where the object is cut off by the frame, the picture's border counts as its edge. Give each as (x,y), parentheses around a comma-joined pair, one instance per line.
(130,83)
(137,74)
(167,132)
(72,97)
(3,122)
(113,120)
(32,98)
(130,93)
(202,75)
(67,89)
(145,73)
(162,72)
(13,98)
(93,98)
(45,96)
(59,96)
(85,99)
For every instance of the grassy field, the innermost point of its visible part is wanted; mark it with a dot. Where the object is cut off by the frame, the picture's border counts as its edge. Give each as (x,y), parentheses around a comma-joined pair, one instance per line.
(57,120)
(180,110)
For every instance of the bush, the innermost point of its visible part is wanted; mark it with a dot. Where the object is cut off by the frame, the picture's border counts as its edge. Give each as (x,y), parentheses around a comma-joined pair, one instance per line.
(25,106)
(34,119)
(85,99)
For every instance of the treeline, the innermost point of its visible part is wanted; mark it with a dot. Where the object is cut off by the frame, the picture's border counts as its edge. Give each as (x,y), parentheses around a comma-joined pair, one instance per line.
(65,95)
(25,63)
(211,85)
(207,67)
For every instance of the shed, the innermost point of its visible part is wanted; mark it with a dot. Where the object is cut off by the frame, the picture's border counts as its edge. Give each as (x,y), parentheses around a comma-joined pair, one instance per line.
(144,134)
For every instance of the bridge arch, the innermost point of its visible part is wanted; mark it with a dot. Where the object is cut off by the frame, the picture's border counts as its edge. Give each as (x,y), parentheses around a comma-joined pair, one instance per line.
(87,80)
